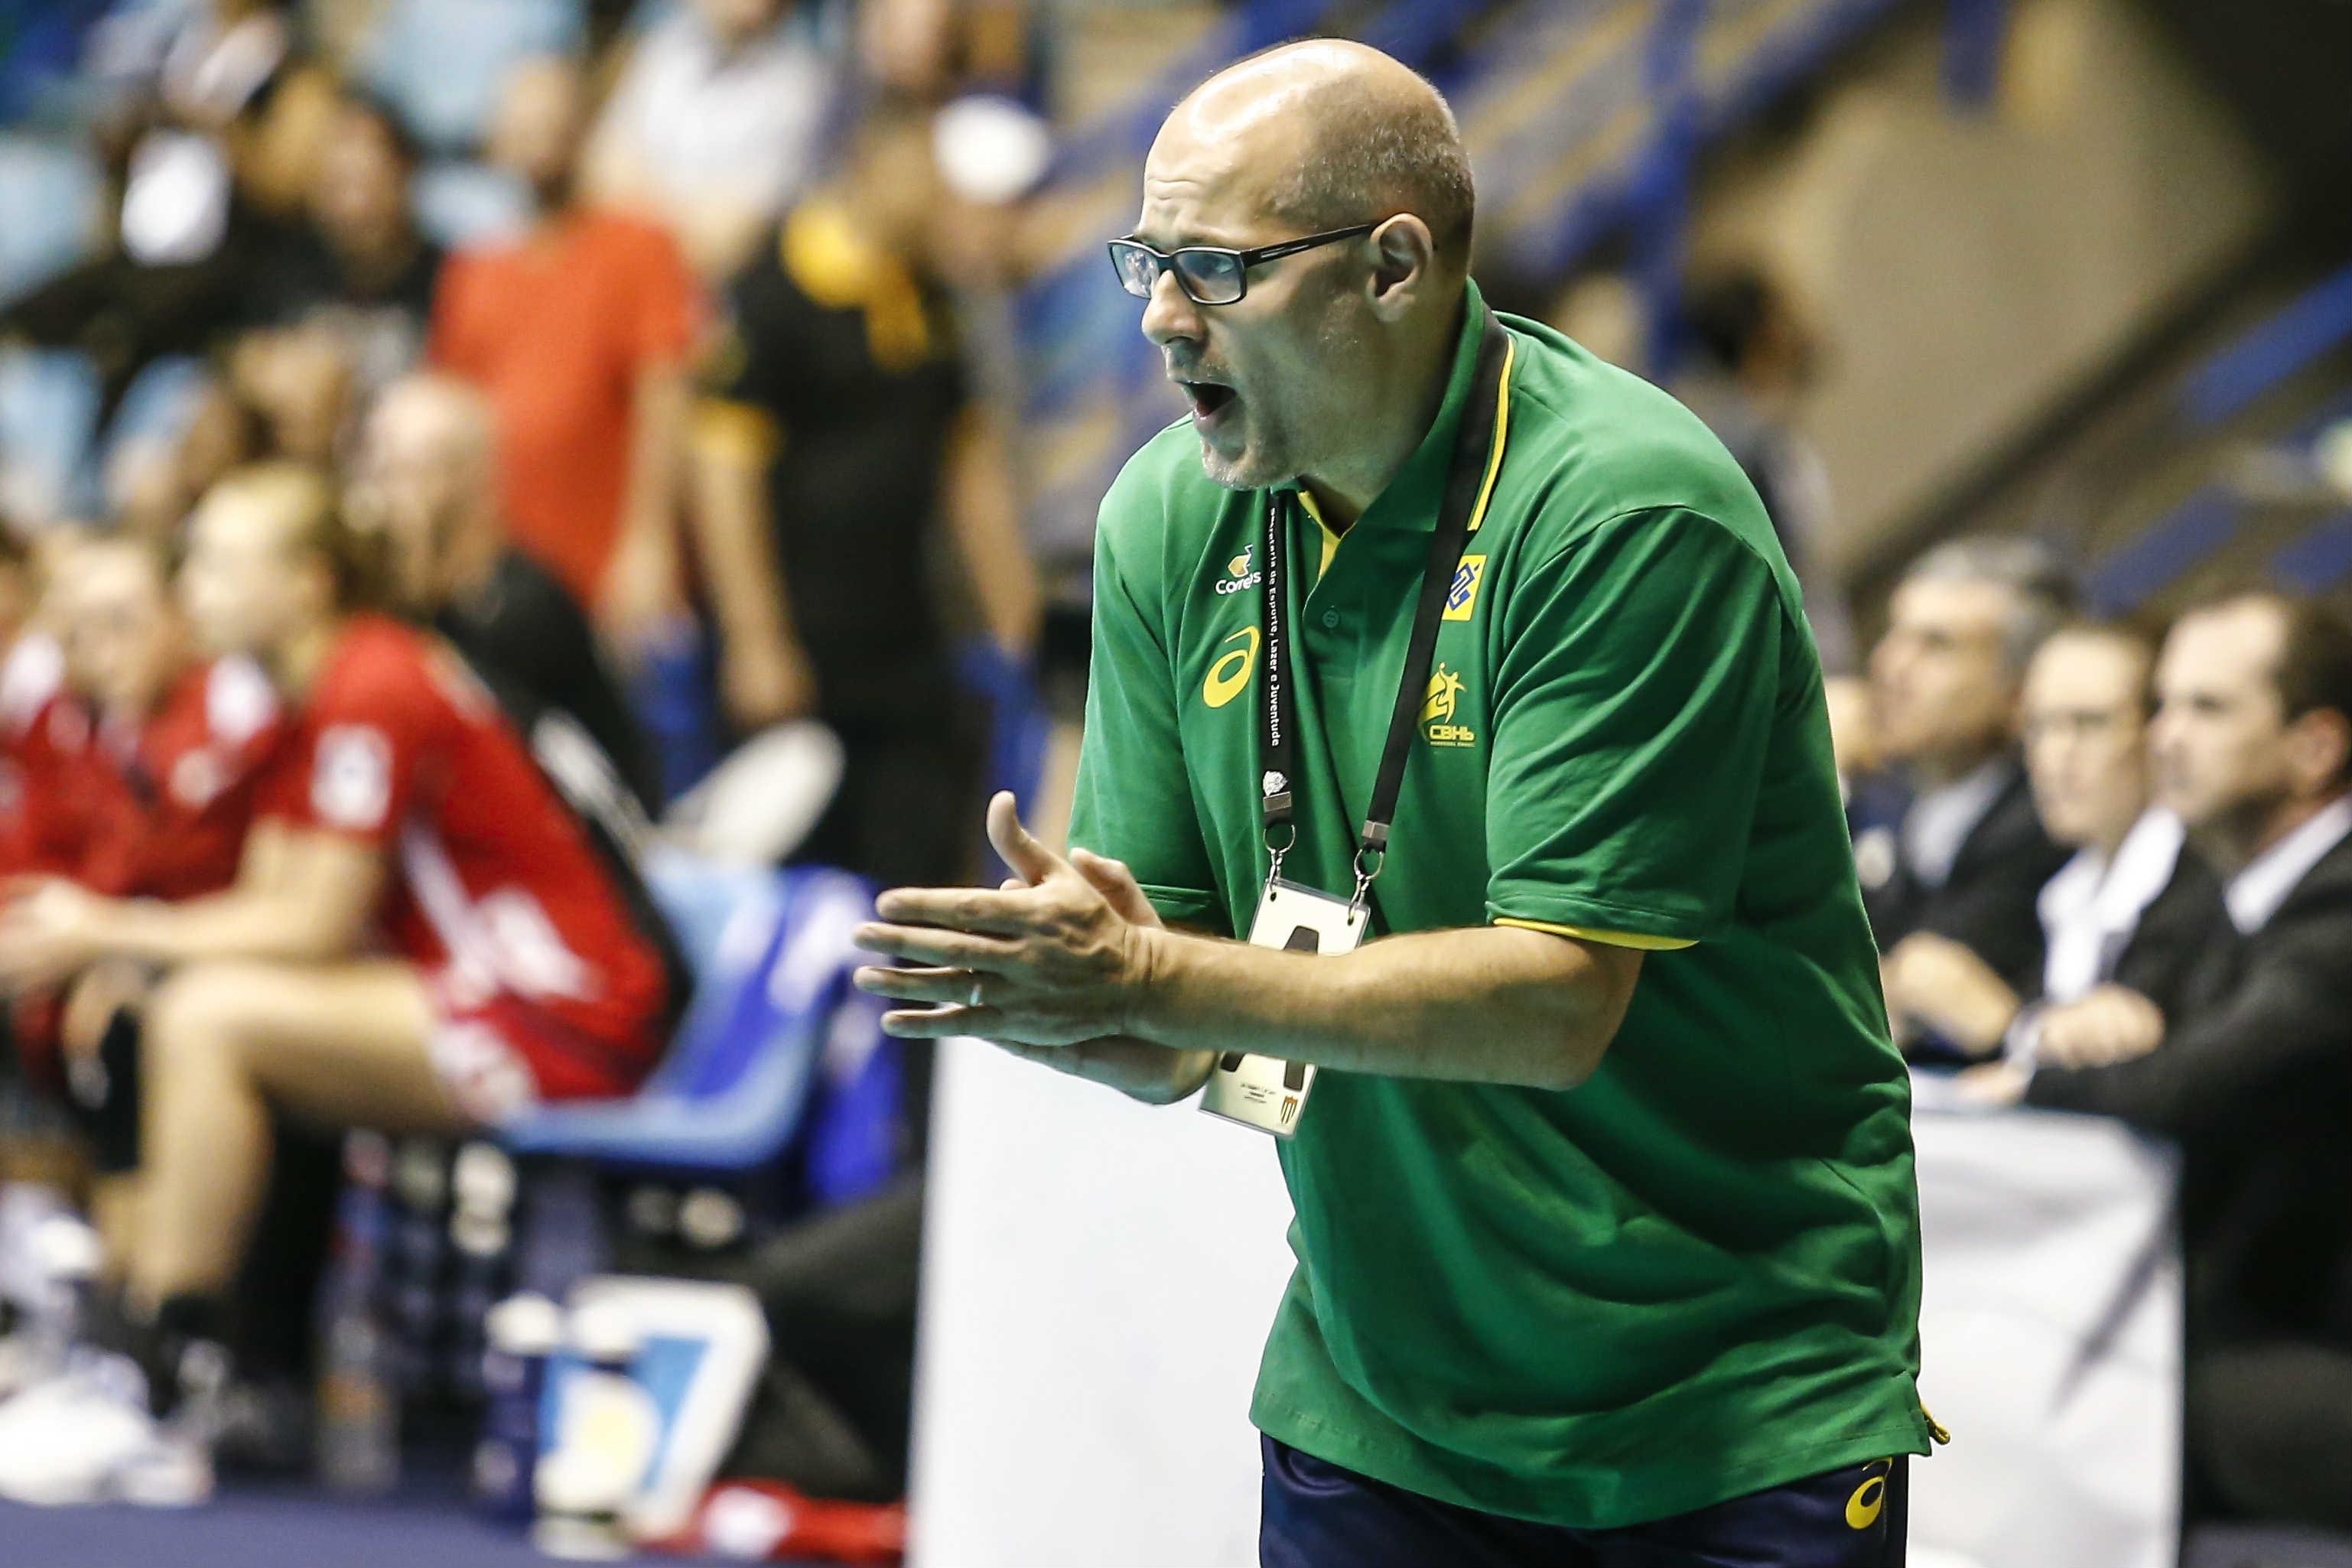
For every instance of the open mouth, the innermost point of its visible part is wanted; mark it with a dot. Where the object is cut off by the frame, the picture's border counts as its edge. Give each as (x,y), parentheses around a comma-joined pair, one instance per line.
(1209,399)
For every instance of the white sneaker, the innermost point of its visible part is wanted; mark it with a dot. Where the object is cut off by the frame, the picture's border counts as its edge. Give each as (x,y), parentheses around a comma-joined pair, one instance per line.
(26,1358)
(85,1436)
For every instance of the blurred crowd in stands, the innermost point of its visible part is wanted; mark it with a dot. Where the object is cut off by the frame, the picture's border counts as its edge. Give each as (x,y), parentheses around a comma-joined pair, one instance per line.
(623,350)
(2110,869)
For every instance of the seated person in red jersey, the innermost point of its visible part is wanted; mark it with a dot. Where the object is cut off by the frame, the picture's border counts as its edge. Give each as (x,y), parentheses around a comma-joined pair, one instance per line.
(138,778)
(44,733)
(519,963)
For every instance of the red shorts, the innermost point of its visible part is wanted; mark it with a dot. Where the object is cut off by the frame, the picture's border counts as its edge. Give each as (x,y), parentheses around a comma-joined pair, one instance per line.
(501,1055)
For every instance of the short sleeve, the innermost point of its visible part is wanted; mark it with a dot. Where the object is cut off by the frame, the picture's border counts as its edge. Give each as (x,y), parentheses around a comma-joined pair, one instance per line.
(667,302)
(449,343)
(1123,806)
(355,765)
(741,380)
(1629,725)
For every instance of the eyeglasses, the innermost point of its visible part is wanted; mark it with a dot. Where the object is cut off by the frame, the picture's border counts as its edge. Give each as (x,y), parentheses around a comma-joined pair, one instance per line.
(1209,274)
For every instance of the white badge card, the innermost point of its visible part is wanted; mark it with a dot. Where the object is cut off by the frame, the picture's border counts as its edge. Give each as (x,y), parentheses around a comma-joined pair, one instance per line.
(1267,1092)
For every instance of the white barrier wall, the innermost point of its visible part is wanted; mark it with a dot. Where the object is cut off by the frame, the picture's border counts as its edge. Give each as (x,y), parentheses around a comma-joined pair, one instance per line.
(2052,1338)
(1099,1278)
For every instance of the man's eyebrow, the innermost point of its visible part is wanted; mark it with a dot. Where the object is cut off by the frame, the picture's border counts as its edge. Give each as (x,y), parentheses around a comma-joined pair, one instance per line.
(1180,242)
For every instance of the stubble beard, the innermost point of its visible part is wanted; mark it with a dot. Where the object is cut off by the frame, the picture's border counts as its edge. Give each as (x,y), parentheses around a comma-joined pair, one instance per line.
(1262,462)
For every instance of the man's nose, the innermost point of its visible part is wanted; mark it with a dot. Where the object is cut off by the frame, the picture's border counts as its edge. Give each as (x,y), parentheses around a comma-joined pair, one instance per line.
(1170,315)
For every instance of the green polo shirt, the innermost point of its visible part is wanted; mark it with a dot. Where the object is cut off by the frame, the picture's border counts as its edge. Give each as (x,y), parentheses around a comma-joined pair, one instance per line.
(1696,1276)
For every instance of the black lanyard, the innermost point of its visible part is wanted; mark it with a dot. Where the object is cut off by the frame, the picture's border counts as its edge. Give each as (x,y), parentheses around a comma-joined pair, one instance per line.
(1277,734)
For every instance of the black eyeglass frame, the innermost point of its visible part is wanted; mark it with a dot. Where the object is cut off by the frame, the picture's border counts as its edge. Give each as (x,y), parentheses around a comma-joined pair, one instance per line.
(1166,260)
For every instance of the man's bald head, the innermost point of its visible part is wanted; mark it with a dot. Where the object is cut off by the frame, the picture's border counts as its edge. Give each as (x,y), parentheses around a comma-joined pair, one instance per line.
(429,472)
(438,415)
(1348,134)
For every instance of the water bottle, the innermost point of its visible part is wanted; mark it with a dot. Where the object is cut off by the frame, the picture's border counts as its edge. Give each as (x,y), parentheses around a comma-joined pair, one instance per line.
(482,1184)
(359,1398)
(523,1331)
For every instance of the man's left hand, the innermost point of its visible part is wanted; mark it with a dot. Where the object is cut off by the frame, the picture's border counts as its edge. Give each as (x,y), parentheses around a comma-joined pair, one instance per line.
(1052,964)
(1994,1086)
(48,929)
(1937,982)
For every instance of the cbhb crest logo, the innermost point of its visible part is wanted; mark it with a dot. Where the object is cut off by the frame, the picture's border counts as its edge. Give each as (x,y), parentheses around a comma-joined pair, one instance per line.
(1437,711)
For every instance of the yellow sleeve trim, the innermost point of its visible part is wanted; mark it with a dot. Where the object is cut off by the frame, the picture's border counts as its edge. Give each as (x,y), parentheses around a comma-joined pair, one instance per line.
(1605,937)
(736,430)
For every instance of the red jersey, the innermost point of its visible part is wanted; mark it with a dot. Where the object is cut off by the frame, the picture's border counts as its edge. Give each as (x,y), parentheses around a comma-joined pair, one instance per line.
(46,787)
(495,889)
(176,799)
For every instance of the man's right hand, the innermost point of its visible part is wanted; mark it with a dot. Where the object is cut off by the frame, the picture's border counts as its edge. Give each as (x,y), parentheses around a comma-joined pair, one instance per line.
(1137,1068)
(2113,1023)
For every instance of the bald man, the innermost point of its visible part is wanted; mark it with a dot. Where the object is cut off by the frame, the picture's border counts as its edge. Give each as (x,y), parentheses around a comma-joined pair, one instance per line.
(429,466)
(1457,806)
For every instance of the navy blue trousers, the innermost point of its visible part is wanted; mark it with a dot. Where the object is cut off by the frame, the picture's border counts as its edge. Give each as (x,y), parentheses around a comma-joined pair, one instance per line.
(1320,1515)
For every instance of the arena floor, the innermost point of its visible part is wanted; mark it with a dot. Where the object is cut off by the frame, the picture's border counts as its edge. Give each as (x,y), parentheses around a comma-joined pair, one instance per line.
(274,1527)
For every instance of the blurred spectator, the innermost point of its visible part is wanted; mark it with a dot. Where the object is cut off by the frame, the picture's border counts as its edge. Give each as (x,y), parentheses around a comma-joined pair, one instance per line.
(430,465)
(924,50)
(214,148)
(2252,743)
(840,441)
(1968,858)
(2133,907)
(147,792)
(1756,356)
(32,676)
(297,386)
(579,334)
(274,392)
(715,123)
(399,803)
(360,267)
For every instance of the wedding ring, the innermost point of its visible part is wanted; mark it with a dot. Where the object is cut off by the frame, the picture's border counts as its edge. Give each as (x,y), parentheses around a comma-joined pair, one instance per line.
(974,1000)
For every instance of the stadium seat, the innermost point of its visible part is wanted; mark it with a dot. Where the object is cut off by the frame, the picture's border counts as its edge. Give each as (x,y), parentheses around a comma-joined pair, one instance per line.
(445,62)
(52,193)
(770,954)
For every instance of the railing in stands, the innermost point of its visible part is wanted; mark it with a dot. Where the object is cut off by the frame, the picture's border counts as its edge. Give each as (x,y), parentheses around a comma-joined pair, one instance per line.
(2258,363)
(1584,119)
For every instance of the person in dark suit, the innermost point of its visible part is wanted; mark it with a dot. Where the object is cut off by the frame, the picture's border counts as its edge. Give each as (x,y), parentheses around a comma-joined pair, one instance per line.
(1966,857)
(2133,907)
(2253,1076)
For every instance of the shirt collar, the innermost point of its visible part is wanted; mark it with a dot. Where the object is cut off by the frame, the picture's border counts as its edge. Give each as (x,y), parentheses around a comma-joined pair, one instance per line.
(2092,901)
(2254,894)
(1413,498)
(1940,821)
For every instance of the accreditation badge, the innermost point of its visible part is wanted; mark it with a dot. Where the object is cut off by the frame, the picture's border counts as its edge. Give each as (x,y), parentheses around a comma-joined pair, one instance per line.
(1267,1092)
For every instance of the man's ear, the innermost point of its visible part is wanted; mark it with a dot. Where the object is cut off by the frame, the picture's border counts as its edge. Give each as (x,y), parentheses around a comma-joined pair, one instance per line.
(1403,272)
(2319,749)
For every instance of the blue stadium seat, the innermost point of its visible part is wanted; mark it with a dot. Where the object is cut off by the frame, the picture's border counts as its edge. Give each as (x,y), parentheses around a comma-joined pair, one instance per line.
(50,191)
(771,952)
(445,62)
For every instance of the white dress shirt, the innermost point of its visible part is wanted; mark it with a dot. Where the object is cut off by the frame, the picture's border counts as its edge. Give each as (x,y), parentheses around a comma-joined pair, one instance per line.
(1940,821)
(2091,908)
(2254,894)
